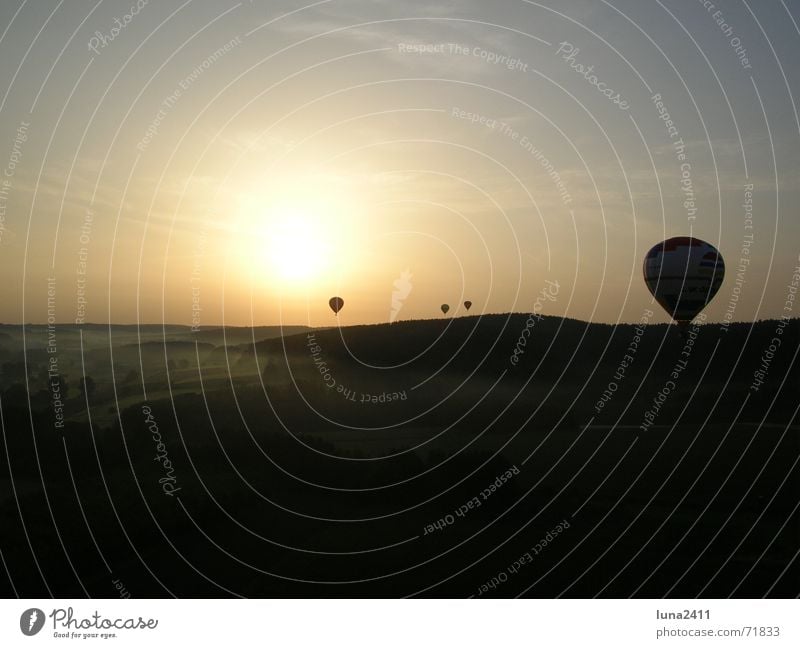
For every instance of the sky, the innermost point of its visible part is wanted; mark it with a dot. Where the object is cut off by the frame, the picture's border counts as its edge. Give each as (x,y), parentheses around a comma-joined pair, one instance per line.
(239,163)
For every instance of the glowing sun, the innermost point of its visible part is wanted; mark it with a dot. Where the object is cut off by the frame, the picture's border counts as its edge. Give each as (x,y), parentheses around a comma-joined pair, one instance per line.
(295,239)
(292,245)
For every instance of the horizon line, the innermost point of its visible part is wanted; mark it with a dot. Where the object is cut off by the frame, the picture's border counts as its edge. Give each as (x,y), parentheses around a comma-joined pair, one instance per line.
(206,327)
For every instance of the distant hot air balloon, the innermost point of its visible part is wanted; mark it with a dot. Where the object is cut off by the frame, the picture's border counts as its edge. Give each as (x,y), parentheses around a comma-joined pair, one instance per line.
(336,304)
(467,305)
(445,308)
(683,274)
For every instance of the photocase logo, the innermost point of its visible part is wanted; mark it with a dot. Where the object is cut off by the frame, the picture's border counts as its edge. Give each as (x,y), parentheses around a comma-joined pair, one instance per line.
(402,289)
(31,621)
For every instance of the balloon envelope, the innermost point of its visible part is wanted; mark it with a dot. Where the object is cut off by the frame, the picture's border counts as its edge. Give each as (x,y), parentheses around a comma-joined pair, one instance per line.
(467,305)
(445,308)
(683,274)
(336,304)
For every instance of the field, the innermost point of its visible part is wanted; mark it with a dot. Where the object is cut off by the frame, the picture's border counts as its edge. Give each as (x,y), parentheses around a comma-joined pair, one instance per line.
(419,458)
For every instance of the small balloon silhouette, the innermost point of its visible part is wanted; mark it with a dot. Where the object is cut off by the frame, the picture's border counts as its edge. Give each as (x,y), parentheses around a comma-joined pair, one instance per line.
(336,304)
(467,305)
(445,308)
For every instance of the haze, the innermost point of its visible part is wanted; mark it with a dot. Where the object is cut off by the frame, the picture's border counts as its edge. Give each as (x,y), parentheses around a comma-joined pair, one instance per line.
(241,163)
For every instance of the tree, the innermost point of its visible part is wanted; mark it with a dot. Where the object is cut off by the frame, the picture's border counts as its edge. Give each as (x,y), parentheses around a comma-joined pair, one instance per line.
(87,386)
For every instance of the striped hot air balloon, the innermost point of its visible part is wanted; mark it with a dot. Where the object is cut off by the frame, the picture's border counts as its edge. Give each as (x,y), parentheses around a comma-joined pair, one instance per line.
(683,274)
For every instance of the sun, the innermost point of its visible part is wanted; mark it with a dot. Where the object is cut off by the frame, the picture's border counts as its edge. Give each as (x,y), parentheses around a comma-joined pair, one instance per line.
(295,235)
(289,244)
(294,245)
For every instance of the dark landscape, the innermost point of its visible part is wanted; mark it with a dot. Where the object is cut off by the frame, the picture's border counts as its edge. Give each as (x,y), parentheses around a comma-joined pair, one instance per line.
(343,461)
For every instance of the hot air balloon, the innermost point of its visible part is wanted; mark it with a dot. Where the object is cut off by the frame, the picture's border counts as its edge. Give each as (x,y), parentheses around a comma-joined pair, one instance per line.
(683,274)
(336,304)
(445,308)
(467,305)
